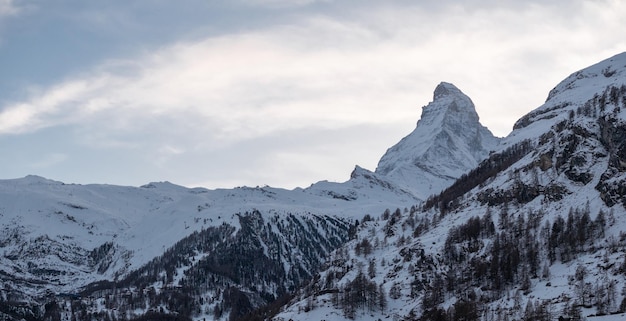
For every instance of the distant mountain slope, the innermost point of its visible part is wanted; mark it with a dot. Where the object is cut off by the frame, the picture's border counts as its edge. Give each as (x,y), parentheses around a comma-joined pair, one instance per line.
(90,215)
(257,243)
(447,142)
(534,232)
(58,238)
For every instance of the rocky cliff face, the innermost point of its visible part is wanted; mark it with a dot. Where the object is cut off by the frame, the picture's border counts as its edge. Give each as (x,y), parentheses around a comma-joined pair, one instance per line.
(447,142)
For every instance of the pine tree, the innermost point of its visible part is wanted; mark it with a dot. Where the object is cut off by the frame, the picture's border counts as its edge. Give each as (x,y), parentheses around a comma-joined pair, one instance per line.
(371,269)
(382,298)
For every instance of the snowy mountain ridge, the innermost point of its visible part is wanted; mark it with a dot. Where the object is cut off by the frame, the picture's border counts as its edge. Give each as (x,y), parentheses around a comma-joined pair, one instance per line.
(577,88)
(91,215)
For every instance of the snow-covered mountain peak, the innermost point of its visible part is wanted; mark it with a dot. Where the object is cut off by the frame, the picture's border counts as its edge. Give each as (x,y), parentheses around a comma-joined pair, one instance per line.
(449,106)
(166,187)
(447,142)
(445,89)
(576,94)
(35,180)
(586,82)
(358,172)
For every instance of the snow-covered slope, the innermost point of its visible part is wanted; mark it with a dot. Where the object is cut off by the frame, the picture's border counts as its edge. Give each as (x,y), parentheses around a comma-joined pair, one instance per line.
(58,238)
(575,92)
(447,142)
(534,232)
(145,221)
(366,190)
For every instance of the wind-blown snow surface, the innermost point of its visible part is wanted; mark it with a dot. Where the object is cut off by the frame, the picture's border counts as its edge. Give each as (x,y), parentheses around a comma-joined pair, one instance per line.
(564,160)
(447,142)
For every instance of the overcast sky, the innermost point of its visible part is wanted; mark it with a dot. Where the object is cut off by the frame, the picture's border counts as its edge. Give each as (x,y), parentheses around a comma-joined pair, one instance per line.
(225,93)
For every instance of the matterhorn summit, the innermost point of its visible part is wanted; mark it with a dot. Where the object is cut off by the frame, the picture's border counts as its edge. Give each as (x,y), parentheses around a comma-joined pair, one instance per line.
(447,142)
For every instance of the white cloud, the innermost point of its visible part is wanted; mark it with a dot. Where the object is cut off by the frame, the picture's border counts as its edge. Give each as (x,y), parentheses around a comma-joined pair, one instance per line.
(248,85)
(8,8)
(59,105)
(375,68)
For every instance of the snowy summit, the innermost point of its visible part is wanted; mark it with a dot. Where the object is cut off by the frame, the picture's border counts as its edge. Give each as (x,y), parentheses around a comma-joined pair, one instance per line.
(448,141)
